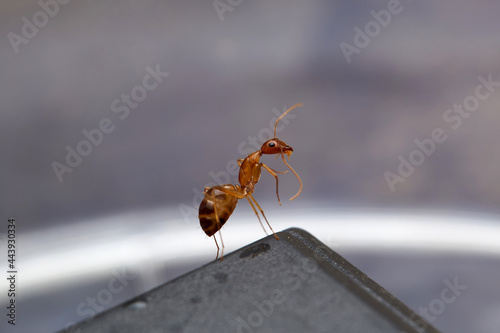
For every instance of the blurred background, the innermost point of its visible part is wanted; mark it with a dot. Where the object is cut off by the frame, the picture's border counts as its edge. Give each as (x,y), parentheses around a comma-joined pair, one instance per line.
(116,114)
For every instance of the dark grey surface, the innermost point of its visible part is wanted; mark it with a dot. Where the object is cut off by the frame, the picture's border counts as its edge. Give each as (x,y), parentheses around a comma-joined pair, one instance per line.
(296,284)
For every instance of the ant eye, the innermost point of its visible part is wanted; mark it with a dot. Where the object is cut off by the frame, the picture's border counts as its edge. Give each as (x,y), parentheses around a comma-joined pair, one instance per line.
(271,144)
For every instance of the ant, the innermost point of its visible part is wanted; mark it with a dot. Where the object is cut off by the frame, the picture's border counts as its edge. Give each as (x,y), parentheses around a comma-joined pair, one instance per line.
(220,200)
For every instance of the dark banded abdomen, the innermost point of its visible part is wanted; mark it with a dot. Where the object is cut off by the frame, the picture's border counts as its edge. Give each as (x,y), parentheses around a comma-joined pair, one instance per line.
(225,204)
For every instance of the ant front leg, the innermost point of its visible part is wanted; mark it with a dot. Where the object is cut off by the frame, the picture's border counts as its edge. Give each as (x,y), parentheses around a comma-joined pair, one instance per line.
(274,174)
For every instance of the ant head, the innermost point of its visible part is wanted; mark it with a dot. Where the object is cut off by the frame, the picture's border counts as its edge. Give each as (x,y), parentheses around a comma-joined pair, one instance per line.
(276,146)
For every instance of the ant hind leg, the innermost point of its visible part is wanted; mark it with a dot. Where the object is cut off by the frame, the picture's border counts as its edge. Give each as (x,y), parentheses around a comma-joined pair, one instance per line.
(218,228)
(217,256)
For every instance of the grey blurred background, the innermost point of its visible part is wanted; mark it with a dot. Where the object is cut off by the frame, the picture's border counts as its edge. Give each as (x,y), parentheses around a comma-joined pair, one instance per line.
(228,73)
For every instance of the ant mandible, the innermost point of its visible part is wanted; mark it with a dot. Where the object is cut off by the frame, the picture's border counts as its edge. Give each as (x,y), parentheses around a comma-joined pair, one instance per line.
(220,200)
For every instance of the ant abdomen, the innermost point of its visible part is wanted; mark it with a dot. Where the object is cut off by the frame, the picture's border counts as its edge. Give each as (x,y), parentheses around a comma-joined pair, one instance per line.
(224,204)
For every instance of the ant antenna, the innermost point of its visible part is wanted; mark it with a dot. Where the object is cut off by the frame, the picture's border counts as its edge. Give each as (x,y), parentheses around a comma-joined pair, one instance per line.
(284,114)
(283,156)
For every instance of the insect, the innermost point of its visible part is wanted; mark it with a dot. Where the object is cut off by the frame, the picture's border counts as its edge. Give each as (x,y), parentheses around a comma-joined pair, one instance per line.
(220,201)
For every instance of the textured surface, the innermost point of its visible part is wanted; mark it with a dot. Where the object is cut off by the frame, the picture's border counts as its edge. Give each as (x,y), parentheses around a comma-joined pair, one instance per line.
(295,284)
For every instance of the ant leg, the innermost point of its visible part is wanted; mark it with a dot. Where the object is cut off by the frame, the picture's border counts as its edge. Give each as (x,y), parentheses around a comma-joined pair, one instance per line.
(217,256)
(255,211)
(238,193)
(222,244)
(274,174)
(218,227)
(262,212)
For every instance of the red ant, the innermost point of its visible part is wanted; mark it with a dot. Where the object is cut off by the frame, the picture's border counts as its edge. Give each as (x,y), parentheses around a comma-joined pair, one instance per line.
(220,200)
